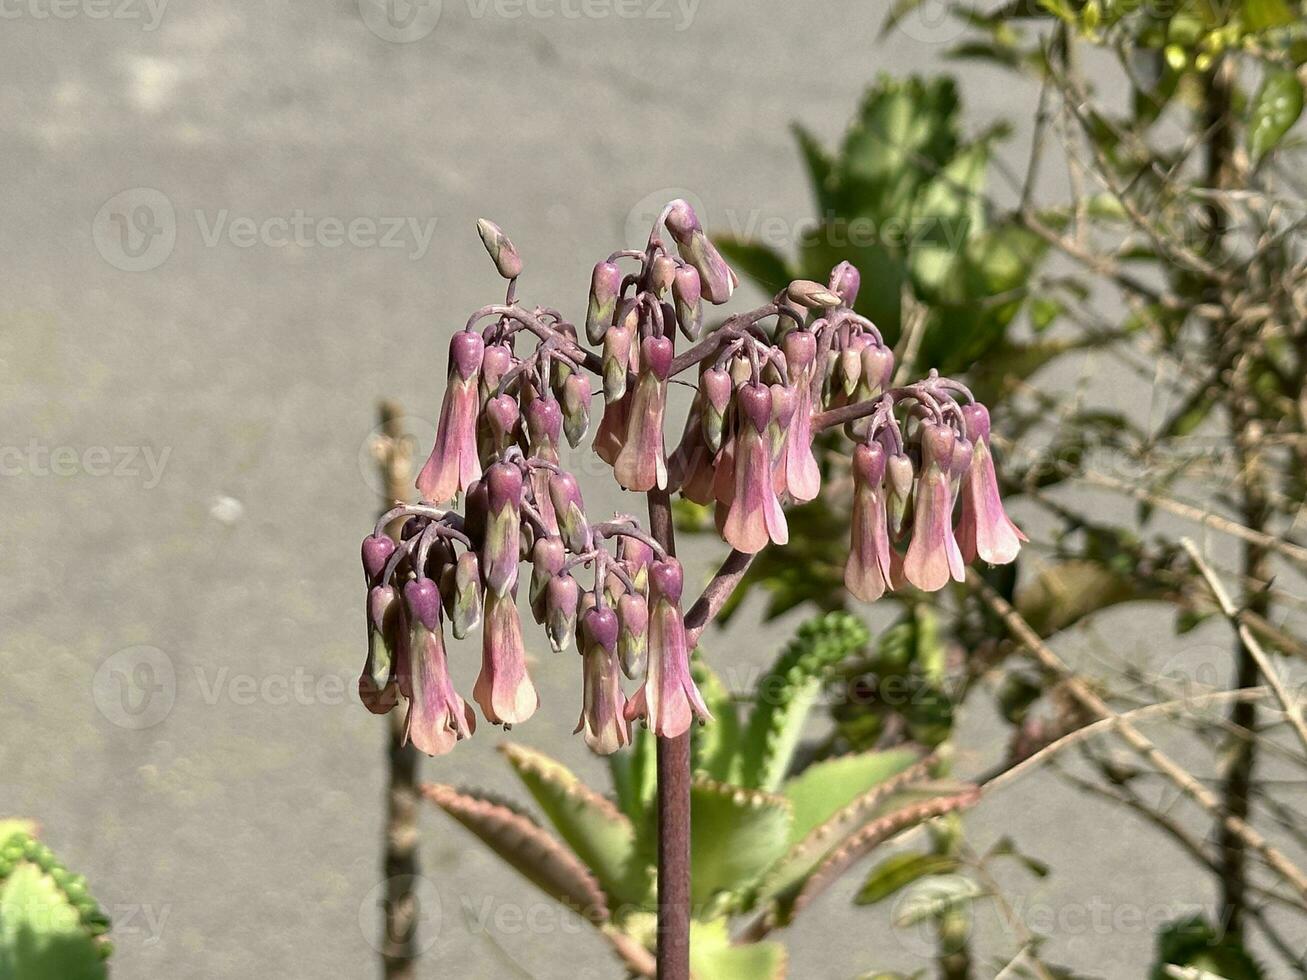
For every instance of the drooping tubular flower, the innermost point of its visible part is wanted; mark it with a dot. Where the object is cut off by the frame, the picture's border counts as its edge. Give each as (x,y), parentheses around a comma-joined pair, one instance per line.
(933,556)
(503,688)
(499,554)
(867,571)
(802,475)
(984,530)
(437,716)
(641,465)
(454,464)
(668,699)
(716,278)
(603,703)
(754,516)
(378,689)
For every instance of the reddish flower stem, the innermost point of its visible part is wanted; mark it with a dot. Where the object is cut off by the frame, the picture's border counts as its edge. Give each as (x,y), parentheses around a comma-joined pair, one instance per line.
(673,809)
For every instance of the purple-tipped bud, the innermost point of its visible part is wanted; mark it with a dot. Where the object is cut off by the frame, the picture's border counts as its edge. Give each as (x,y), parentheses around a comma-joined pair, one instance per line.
(800,347)
(576,407)
(569,509)
(466,352)
(662,274)
(503,536)
(544,426)
(877,369)
(502,415)
(605,287)
(423,601)
(687,292)
(377,549)
(984,530)
(618,342)
(548,556)
(850,369)
(377,685)
(633,640)
(754,401)
(561,598)
(844,282)
(811,295)
(495,363)
(636,557)
(603,705)
(715,387)
(466,613)
(717,279)
(502,252)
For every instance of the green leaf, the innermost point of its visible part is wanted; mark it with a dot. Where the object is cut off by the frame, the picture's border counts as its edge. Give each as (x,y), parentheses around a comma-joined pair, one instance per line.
(1276,107)
(736,834)
(634,771)
(526,847)
(755,261)
(712,957)
(1262,15)
(715,747)
(42,933)
(935,898)
(786,693)
(600,834)
(1192,942)
(899,871)
(945,215)
(826,787)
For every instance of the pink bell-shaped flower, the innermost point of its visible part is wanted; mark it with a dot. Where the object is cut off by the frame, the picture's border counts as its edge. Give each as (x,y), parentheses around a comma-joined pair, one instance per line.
(603,704)
(984,529)
(437,716)
(454,464)
(668,699)
(933,556)
(867,572)
(503,688)
(754,516)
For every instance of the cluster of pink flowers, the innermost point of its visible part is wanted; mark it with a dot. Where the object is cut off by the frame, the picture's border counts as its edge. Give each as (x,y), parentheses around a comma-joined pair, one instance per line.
(768,382)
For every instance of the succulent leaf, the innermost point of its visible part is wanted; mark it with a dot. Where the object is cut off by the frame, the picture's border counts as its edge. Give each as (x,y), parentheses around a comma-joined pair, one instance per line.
(786,693)
(736,834)
(526,846)
(825,788)
(600,834)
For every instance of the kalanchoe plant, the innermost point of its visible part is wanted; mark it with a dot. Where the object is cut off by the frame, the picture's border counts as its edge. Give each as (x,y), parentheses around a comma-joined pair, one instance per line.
(769,380)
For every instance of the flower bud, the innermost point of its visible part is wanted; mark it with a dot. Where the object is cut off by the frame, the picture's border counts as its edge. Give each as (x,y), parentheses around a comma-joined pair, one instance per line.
(561,597)
(717,279)
(377,688)
(422,599)
(800,347)
(466,613)
(548,556)
(687,292)
(618,342)
(662,274)
(715,397)
(502,252)
(633,640)
(569,509)
(877,369)
(811,295)
(466,352)
(636,557)
(844,282)
(502,415)
(576,407)
(544,424)
(503,536)
(377,549)
(850,369)
(496,362)
(605,287)
(899,479)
